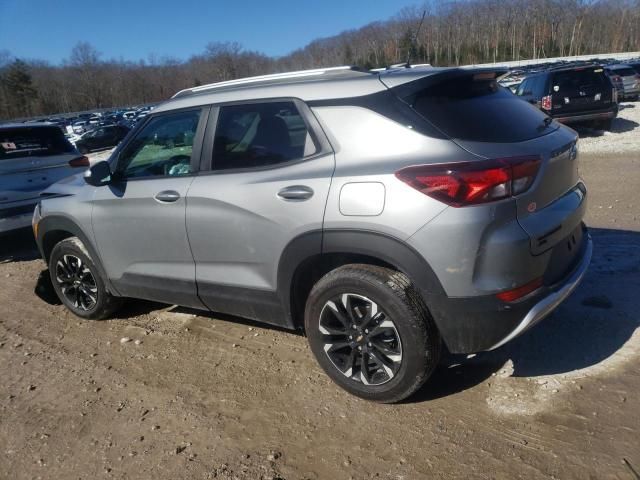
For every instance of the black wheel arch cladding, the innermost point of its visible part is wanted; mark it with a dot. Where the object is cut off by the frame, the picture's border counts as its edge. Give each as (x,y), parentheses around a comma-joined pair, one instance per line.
(53,229)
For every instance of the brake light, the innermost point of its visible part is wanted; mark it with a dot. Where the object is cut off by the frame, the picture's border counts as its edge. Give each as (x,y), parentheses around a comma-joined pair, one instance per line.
(517,293)
(545,103)
(472,183)
(82,161)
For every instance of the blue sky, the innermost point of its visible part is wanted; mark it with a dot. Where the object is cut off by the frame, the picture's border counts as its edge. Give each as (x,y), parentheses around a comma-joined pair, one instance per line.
(134,29)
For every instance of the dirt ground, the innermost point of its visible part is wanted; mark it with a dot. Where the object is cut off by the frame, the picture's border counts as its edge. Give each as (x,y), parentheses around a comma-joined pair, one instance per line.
(206,396)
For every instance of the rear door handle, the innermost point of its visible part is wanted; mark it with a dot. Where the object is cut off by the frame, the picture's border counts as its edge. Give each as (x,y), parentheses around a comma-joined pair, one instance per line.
(167,196)
(296,193)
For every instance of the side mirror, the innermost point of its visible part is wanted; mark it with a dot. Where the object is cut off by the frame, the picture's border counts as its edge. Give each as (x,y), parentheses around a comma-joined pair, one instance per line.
(98,174)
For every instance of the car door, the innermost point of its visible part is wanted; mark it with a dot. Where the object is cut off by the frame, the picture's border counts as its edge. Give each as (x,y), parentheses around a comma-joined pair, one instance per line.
(139,218)
(269,171)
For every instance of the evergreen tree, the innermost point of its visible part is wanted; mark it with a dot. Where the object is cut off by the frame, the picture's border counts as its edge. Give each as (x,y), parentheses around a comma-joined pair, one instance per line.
(19,90)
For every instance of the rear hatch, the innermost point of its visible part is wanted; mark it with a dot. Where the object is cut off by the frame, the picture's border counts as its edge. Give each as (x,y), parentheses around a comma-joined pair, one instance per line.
(31,159)
(492,123)
(579,90)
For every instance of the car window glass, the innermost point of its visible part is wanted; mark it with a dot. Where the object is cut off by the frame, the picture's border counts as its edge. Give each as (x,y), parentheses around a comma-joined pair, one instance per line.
(572,81)
(38,141)
(522,88)
(162,147)
(475,109)
(260,134)
(625,72)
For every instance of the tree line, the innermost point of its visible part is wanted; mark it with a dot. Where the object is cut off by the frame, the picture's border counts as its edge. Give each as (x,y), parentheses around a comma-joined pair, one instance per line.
(454,32)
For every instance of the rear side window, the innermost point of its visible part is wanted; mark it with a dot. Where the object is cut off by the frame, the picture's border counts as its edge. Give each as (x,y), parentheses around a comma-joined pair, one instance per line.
(259,135)
(572,81)
(36,141)
(476,109)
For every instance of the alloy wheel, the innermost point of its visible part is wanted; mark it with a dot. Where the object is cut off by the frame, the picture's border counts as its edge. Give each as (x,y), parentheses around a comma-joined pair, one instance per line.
(76,282)
(360,339)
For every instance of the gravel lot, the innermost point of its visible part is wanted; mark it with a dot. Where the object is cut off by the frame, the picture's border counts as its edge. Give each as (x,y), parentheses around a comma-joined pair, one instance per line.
(167,392)
(624,136)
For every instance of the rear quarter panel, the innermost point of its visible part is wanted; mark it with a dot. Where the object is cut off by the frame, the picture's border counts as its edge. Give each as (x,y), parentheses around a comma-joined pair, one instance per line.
(370,148)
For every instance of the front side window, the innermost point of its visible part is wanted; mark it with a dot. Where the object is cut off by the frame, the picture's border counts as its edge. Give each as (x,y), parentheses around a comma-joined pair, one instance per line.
(162,147)
(259,135)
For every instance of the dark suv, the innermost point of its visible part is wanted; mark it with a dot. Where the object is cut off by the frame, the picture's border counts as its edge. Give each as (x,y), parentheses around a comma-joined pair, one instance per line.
(581,94)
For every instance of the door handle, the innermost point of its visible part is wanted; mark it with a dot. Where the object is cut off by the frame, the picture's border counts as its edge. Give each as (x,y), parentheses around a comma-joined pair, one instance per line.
(167,196)
(296,193)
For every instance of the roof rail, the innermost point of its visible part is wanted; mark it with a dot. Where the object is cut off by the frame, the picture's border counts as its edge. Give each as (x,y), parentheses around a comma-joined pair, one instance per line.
(400,66)
(264,78)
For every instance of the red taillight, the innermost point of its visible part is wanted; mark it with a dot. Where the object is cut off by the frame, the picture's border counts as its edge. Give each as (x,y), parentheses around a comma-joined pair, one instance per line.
(516,293)
(80,162)
(545,103)
(472,183)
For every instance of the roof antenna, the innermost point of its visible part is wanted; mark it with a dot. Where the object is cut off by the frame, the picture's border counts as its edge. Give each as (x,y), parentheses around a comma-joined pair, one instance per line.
(414,40)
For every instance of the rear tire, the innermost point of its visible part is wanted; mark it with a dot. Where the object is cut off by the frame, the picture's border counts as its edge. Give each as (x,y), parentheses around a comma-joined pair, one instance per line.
(371,333)
(77,281)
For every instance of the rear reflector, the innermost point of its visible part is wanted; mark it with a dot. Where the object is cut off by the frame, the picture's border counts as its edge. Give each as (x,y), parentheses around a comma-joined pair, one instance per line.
(472,183)
(80,162)
(516,293)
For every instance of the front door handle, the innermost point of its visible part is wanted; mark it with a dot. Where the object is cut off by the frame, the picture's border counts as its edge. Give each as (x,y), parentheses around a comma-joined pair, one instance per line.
(167,196)
(296,193)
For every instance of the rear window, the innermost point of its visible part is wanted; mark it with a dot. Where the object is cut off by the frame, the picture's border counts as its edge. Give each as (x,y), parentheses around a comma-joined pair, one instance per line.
(475,109)
(571,81)
(624,72)
(27,142)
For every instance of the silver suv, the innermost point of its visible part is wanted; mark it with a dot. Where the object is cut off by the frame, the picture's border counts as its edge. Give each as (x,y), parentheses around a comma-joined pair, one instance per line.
(389,215)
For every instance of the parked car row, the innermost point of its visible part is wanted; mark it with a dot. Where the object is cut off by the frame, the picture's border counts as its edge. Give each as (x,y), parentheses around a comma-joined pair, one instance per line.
(577,92)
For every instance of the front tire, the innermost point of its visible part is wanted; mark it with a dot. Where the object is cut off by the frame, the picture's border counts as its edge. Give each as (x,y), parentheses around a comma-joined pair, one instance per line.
(77,281)
(370,331)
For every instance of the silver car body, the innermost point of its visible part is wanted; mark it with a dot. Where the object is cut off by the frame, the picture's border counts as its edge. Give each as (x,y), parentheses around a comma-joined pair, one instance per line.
(24,175)
(630,80)
(249,242)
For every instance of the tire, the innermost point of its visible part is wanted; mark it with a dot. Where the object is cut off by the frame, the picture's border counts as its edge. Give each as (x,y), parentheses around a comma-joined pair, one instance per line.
(77,281)
(400,341)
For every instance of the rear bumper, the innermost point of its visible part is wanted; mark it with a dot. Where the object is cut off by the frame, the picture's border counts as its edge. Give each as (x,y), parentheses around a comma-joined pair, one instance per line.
(549,303)
(475,324)
(586,117)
